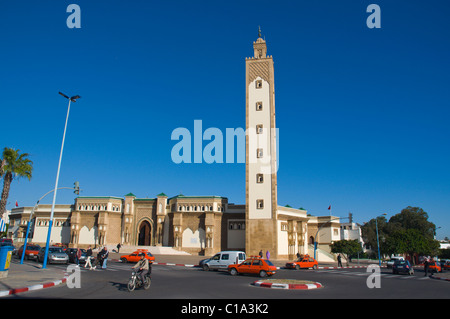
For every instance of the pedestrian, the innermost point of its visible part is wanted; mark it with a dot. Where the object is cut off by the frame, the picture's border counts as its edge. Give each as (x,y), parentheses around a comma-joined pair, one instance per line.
(99,260)
(267,255)
(260,253)
(105,257)
(88,258)
(118,247)
(426,264)
(78,256)
(339,260)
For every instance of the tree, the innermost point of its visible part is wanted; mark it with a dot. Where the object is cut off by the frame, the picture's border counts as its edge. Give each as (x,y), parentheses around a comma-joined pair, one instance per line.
(412,218)
(14,166)
(411,241)
(369,233)
(346,247)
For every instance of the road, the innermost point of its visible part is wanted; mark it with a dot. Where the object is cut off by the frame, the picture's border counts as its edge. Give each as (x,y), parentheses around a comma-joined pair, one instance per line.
(178,282)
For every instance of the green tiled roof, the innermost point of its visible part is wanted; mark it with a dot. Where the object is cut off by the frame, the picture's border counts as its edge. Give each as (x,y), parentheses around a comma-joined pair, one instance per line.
(161,194)
(130,194)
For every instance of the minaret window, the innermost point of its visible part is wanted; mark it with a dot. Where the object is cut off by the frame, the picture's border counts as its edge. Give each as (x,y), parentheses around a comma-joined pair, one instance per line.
(259,129)
(260,203)
(258,84)
(259,178)
(259,153)
(259,106)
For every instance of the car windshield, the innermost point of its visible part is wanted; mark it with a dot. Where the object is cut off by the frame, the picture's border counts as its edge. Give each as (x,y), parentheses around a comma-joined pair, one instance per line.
(55,250)
(33,248)
(269,262)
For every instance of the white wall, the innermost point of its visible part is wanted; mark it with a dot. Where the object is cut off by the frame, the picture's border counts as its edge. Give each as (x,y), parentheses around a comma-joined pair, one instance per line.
(259,190)
(194,239)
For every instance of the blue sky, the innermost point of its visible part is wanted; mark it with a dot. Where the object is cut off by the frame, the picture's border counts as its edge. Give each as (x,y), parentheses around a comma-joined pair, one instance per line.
(362,113)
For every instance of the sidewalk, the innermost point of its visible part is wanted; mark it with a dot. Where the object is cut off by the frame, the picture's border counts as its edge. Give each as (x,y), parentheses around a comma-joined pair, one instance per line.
(26,277)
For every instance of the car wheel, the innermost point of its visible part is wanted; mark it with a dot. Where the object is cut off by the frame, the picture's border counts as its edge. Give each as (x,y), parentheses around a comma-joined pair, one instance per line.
(297,267)
(124,260)
(205,267)
(233,272)
(262,274)
(315,267)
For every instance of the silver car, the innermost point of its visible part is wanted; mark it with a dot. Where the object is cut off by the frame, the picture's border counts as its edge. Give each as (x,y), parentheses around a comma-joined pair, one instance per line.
(55,255)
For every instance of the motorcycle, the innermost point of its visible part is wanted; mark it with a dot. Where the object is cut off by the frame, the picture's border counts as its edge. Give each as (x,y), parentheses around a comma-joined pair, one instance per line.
(136,281)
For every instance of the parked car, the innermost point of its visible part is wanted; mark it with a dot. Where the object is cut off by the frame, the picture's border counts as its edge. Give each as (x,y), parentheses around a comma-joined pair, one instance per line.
(402,266)
(31,251)
(222,260)
(134,257)
(303,262)
(390,263)
(55,255)
(445,265)
(72,252)
(6,242)
(253,265)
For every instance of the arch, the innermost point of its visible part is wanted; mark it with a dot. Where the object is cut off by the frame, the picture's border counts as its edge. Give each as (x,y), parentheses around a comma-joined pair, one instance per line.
(311,240)
(144,232)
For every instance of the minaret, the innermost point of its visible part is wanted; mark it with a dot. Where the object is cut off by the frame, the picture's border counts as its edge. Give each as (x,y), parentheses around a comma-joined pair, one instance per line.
(261,161)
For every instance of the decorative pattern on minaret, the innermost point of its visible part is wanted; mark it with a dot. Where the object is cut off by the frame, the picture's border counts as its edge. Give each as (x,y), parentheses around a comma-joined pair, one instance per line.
(260,69)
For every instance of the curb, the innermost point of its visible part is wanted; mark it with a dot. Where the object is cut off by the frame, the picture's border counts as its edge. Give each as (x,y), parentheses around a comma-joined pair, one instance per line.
(439,278)
(287,286)
(31,288)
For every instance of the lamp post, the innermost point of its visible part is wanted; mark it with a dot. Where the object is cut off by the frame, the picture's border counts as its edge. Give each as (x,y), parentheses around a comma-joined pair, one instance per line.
(378,240)
(50,224)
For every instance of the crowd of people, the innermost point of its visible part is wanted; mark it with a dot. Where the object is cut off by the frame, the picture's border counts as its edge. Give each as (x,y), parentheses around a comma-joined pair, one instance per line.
(99,262)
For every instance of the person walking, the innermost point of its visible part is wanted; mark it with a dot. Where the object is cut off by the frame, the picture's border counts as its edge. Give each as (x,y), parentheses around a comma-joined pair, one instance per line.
(88,258)
(426,265)
(267,255)
(261,253)
(339,261)
(105,257)
(78,256)
(118,247)
(99,260)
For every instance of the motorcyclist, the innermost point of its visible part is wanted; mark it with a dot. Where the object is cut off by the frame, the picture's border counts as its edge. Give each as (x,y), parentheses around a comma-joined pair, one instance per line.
(143,267)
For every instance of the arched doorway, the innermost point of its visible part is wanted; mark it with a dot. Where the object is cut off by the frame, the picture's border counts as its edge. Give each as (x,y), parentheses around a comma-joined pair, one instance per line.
(145,234)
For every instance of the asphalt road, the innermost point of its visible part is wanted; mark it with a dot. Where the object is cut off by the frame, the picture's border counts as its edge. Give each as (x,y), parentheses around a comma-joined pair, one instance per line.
(177,282)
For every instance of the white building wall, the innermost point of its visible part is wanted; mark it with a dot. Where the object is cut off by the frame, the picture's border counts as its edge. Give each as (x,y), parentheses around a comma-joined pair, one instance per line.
(257,165)
(195,239)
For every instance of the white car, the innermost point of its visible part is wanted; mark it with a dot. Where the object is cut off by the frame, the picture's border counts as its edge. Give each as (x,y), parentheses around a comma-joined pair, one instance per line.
(220,261)
(390,263)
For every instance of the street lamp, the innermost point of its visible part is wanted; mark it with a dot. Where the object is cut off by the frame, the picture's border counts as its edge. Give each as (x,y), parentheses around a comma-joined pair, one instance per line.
(378,241)
(50,224)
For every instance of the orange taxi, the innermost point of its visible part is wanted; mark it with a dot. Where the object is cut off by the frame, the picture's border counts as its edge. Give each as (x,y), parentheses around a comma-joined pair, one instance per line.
(445,265)
(134,257)
(303,262)
(31,251)
(253,265)
(434,266)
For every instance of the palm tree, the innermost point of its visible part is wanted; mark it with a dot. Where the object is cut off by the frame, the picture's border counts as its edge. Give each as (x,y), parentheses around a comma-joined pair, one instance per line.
(14,166)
